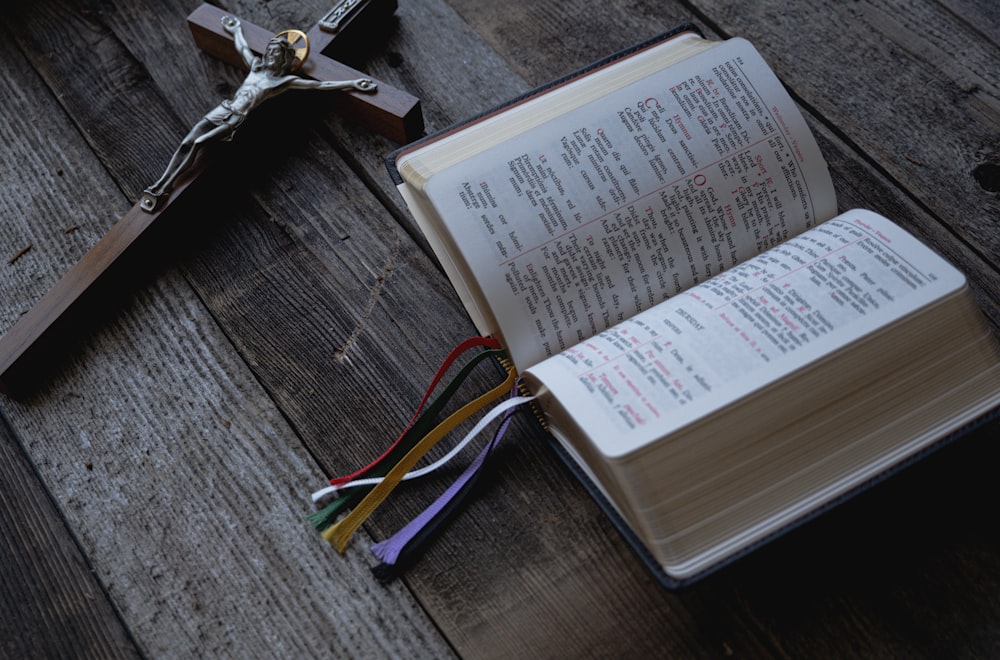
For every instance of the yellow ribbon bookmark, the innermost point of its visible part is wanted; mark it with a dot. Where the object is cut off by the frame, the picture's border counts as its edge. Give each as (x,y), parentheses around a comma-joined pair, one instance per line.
(339,534)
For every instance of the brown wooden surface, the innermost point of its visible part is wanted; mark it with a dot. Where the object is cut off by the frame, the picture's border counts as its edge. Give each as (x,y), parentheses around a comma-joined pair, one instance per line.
(153,492)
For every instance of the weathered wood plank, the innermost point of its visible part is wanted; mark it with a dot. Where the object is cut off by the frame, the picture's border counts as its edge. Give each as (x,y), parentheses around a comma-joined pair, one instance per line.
(190,513)
(187,455)
(50,604)
(28,349)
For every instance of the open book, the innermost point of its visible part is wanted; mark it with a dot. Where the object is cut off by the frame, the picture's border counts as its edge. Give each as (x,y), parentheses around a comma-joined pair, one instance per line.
(655,240)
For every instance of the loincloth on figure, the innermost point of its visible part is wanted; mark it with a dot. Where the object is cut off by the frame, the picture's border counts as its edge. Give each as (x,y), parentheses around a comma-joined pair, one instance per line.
(224,115)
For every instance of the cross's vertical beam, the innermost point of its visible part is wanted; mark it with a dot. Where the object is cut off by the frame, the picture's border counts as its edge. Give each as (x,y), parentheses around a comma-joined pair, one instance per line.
(389,111)
(29,347)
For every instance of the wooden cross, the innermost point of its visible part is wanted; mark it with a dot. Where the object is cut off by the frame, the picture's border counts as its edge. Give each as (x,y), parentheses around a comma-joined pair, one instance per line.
(30,345)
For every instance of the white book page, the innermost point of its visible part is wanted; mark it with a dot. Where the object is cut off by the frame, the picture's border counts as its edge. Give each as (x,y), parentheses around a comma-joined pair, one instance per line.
(591,218)
(766,318)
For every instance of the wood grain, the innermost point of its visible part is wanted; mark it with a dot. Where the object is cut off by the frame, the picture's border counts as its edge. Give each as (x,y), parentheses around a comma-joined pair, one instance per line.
(52,604)
(29,348)
(299,315)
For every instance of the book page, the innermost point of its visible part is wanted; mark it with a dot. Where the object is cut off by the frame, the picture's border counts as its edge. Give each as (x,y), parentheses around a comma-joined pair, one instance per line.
(765,318)
(589,219)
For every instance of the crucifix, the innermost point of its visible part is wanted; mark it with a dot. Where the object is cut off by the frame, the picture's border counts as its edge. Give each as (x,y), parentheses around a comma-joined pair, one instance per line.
(271,58)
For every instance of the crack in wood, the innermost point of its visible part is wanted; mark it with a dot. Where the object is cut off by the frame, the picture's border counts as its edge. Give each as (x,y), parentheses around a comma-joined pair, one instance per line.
(20,253)
(374,293)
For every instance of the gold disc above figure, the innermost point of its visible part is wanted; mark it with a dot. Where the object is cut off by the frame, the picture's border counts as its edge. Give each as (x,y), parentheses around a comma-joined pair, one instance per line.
(299,42)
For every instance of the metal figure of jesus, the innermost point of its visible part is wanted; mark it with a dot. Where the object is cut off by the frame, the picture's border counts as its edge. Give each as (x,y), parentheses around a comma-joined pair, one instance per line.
(270,75)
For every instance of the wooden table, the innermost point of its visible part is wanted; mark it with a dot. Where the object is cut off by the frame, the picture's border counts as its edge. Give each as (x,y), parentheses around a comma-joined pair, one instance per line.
(154,491)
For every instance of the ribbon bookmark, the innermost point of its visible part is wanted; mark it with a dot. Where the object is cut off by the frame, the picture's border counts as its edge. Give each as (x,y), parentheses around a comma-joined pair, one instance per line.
(349,493)
(340,533)
(401,548)
(472,342)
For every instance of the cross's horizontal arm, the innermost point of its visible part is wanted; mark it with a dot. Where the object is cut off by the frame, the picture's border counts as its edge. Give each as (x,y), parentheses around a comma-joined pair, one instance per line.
(389,111)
